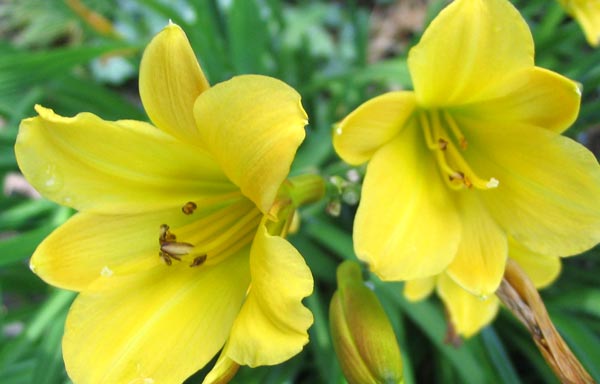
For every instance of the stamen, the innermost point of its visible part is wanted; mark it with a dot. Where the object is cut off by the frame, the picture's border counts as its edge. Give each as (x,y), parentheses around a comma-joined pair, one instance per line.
(436,124)
(217,222)
(462,141)
(166,258)
(454,180)
(453,175)
(471,179)
(427,131)
(169,248)
(223,233)
(165,234)
(189,208)
(249,222)
(448,157)
(443,144)
(175,248)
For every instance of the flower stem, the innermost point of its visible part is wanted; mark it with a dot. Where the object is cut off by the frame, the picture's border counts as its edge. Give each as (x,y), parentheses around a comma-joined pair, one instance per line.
(304,189)
(519,295)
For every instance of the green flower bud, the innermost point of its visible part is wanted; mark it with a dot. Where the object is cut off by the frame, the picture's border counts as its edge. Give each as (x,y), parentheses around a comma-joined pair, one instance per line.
(363,338)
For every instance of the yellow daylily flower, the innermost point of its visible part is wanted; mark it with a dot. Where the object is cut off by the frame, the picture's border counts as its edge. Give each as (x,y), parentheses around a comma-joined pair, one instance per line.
(587,14)
(469,313)
(177,249)
(473,156)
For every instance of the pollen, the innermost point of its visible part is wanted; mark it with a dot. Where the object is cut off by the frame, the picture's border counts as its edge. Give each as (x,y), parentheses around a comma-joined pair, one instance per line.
(106,272)
(175,248)
(189,208)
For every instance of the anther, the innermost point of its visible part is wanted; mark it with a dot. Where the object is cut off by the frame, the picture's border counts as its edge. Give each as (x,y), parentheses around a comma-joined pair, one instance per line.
(167,257)
(175,248)
(189,208)
(198,261)
(457,176)
(443,144)
(165,234)
(169,248)
(467,182)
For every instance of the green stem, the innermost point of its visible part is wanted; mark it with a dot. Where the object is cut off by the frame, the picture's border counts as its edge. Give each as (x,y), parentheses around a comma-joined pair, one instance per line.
(304,189)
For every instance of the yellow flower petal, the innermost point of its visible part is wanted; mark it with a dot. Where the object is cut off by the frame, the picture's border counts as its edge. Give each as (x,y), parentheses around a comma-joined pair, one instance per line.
(468,312)
(371,125)
(253,126)
(113,167)
(170,82)
(547,197)
(223,371)
(541,269)
(533,96)
(587,14)
(272,325)
(90,247)
(415,290)
(479,263)
(158,326)
(470,45)
(406,226)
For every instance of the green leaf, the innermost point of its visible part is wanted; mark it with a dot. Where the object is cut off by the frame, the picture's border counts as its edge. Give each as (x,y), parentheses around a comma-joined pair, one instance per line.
(498,356)
(430,320)
(21,246)
(22,69)
(248,37)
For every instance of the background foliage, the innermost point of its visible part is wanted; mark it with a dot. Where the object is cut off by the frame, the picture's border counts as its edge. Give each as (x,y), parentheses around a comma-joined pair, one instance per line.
(337,54)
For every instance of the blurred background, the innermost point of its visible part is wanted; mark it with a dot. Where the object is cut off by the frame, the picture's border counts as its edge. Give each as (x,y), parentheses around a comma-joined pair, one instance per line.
(76,56)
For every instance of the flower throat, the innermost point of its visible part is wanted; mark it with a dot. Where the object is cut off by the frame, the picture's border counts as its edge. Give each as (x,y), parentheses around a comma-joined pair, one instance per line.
(445,139)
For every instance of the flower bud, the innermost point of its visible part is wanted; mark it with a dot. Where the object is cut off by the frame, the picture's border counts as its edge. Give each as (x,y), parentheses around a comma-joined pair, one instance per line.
(363,338)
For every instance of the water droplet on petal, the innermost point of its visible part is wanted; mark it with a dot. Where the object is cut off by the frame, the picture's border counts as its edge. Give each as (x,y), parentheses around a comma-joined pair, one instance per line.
(338,130)
(106,272)
(52,179)
(32,267)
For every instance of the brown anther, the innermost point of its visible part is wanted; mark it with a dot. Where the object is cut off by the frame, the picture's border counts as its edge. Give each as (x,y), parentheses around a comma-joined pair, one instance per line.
(167,257)
(169,248)
(443,144)
(463,143)
(166,235)
(467,182)
(198,261)
(164,230)
(189,208)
